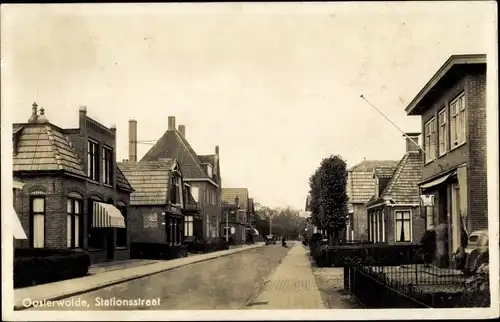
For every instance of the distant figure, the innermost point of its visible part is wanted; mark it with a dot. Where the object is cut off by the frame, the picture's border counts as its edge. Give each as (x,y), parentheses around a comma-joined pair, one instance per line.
(283,242)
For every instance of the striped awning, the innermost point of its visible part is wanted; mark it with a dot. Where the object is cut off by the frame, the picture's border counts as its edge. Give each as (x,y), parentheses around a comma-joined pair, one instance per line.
(19,232)
(107,216)
(253,231)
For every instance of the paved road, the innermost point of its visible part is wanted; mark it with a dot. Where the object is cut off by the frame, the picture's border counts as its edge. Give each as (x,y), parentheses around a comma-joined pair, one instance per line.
(221,284)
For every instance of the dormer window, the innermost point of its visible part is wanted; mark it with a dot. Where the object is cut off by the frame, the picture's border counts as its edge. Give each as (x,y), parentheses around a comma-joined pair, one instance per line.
(174,190)
(209,170)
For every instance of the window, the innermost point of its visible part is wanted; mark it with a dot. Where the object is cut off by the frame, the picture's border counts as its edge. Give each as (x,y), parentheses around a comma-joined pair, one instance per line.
(429,217)
(37,222)
(121,233)
(458,121)
(209,170)
(195,193)
(74,226)
(107,162)
(174,192)
(403,226)
(443,132)
(208,226)
(429,140)
(92,163)
(188,226)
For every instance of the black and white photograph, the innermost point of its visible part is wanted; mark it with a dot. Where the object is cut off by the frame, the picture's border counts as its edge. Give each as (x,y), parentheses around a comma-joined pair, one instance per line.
(249,161)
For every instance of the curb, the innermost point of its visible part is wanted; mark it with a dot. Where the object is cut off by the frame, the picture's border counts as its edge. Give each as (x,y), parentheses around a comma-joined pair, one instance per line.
(18,307)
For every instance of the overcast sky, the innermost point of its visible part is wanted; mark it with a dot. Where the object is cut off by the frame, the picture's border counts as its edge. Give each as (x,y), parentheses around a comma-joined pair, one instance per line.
(276,86)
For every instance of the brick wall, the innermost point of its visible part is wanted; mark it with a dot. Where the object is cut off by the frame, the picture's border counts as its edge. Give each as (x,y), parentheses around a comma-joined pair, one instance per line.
(140,234)
(476,143)
(455,157)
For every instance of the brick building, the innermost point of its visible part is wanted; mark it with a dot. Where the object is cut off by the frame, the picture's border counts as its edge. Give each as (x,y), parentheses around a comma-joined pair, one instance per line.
(73,194)
(360,187)
(157,204)
(200,172)
(452,106)
(394,209)
(237,209)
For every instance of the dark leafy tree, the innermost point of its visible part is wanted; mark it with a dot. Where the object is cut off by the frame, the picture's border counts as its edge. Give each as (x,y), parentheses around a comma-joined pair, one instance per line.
(329,196)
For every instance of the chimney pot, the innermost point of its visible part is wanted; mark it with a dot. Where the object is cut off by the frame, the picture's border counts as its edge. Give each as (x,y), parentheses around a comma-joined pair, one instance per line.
(217,149)
(171,122)
(182,129)
(34,115)
(83,108)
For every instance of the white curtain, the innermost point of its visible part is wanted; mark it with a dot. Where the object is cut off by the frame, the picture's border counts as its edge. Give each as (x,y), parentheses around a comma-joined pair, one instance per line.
(38,222)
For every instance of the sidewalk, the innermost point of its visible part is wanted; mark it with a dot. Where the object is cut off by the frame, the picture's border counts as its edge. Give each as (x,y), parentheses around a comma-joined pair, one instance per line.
(72,287)
(291,285)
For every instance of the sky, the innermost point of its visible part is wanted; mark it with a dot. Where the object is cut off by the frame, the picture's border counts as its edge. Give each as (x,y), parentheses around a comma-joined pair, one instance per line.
(276,86)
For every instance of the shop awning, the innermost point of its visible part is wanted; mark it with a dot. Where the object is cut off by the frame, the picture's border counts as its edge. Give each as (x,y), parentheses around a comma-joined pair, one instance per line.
(19,232)
(437,181)
(107,216)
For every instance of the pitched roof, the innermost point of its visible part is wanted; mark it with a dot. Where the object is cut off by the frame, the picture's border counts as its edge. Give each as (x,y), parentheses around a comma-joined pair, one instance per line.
(403,186)
(360,184)
(174,145)
(370,165)
(150,180)
(384,172)
(208,158)
(43,147)
(121,180)
(229,194)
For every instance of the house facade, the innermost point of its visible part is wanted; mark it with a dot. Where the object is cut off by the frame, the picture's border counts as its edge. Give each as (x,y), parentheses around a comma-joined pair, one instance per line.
(73,194)
(157,204)
(201,173)
(452,107)
(394,215)
(360,187)
(237,214)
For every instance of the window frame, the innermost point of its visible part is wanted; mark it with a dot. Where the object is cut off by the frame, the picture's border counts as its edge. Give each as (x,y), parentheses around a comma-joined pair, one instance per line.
(430,140)
(72,215)
(107,165)
(396,221)
(93,160)
(442,132)
(189,226)
(34,213)
(458,121)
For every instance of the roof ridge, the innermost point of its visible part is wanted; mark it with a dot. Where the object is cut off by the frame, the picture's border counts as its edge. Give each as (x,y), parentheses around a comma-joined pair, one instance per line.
(396,175)
(192,152)
(55,149)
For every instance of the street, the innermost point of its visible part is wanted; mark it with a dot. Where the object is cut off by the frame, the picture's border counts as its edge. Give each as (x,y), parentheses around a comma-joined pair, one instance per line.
(218,284)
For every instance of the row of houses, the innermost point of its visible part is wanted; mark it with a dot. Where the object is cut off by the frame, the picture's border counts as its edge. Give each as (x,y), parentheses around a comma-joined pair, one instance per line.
(443,181)
(70,191)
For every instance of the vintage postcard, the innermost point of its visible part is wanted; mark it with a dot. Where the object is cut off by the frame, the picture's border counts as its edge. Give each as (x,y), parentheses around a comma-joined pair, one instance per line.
(249,161)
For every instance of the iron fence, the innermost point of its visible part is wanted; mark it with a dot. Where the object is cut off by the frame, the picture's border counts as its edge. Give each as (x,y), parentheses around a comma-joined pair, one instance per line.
(405,286)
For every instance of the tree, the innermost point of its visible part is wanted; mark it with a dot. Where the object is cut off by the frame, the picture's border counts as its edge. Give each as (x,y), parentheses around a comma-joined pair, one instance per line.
(329,196)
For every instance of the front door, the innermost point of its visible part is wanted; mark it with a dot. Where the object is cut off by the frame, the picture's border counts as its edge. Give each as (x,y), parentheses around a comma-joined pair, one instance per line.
(110,243)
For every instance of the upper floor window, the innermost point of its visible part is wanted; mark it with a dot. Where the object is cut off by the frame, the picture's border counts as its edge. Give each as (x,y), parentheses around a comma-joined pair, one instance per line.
(209,170)
(430,140)
(195,192)
(174,192)
(458,120)
(92,160)
(107,162)
(443,132)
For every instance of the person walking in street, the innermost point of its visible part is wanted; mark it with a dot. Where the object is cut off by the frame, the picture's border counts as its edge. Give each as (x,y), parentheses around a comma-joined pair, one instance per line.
(283,242)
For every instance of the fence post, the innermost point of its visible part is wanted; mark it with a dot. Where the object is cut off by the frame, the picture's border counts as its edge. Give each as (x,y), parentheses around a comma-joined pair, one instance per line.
(346,280)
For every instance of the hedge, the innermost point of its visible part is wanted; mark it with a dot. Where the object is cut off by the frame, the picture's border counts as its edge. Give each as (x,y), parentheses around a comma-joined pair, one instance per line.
(36,266)
(203,246)
(157,251)
(369,254)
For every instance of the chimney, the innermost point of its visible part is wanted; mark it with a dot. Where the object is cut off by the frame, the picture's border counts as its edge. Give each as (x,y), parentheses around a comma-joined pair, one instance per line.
(182,129)
(411,146)
(34,115)
(132,140)
(217,150)
(171,122)
(82,118)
